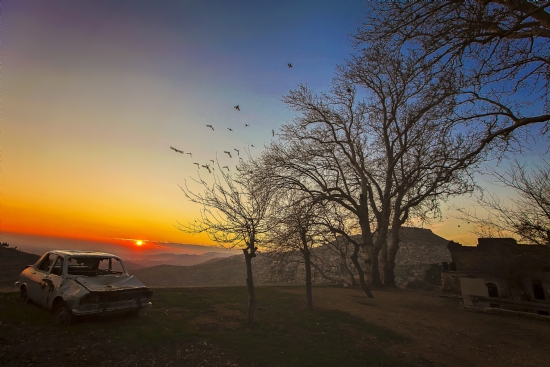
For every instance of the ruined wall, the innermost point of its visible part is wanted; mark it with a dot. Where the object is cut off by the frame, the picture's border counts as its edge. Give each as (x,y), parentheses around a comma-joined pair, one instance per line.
(419,248)
(491,255)
(524,269)
(466,257)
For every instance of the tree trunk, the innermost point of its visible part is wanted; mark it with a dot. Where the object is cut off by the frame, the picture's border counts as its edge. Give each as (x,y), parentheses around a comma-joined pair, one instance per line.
(250,285)
(367,248)
(379,243)
(382,261)
(347,271)
(389,270)
(393,247)
(375,270)
(366,239)
(360,271)
(307,259)
(309,294)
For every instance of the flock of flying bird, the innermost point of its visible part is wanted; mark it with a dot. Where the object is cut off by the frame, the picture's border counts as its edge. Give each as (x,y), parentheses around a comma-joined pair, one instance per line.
(207,166)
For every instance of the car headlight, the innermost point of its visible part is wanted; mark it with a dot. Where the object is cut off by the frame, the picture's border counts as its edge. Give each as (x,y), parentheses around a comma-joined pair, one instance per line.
(91,298)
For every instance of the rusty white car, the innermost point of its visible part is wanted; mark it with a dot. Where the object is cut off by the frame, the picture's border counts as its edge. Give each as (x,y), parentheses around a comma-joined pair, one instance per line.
(74,283)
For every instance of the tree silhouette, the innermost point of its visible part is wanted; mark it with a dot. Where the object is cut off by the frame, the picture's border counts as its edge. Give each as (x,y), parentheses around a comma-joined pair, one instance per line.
(233,214)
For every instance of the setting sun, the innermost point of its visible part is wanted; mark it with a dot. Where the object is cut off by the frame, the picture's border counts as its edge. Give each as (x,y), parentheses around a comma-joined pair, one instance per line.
(139,242)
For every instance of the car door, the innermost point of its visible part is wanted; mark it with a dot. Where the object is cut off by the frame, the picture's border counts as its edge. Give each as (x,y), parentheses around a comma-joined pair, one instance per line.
(53,281)
(36,275)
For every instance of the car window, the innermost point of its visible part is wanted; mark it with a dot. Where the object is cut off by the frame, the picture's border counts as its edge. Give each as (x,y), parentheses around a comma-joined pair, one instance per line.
(57,268)
(110,266)
(93,266)
(83,266)
(46,263)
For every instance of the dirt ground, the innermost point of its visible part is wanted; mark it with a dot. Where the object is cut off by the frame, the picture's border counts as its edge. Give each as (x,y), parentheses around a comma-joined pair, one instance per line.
(22,344)
(441,332)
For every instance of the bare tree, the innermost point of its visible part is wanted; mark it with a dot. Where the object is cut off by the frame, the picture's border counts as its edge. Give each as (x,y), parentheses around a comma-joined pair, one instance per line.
(381,157)
(527,216)
(336,220)
(235,208)
(314,169)
(293,228)
(423,157)
(318,232)
(500,48)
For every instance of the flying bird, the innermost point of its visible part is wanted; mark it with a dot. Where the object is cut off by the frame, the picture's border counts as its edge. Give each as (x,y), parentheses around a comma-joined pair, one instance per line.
(252,145)
(230,129)
(246,125)
(210,126)
(207,167)
(212,161)
(289,65)
(191,154)
(237,108)
(176,150)
(228,153)
(237,150)
(198,166)
(226,167)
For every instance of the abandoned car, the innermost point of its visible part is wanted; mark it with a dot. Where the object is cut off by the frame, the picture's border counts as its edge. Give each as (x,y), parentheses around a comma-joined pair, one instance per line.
(74,283)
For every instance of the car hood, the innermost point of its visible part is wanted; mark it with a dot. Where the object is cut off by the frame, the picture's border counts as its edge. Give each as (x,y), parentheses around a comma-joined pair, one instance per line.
(102,283)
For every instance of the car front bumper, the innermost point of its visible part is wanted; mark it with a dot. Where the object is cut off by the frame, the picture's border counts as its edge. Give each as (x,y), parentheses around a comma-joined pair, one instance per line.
(110,307)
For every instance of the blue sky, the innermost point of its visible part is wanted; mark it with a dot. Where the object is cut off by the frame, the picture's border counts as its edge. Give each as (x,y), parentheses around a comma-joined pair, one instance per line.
(95,92)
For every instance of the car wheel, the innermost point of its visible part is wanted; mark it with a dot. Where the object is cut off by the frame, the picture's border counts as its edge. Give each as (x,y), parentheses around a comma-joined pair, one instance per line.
(62,314)
(24,296)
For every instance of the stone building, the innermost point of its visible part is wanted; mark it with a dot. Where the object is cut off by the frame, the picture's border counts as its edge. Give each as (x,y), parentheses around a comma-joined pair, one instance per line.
(420,250)
(506,269)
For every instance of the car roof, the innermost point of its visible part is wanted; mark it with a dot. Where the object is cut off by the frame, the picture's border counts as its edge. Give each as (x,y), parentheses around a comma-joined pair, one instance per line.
(82,253)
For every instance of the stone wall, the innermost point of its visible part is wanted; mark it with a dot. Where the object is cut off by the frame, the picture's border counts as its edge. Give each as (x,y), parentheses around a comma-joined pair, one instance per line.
(521,267)
(419,248)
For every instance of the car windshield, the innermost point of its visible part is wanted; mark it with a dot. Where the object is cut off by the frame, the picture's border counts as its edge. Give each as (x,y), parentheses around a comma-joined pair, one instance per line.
(94,266)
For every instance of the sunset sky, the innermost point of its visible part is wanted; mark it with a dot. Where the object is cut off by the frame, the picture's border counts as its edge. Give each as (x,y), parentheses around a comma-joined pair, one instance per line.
(95,92)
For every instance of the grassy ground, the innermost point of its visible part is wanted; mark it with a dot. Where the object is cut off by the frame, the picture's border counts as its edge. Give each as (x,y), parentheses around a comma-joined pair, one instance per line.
(285,333)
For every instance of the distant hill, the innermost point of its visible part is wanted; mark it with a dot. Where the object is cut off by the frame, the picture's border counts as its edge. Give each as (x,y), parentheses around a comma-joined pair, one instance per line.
(228,271)
(419,247)
(174,259)
(221,272)
(12,262)
(132,266)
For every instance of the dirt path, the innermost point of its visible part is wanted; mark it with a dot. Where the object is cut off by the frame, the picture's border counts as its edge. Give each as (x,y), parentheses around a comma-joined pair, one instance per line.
(441,332)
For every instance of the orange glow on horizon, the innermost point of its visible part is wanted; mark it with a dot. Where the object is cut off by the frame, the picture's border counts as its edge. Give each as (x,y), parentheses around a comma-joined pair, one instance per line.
(78,222)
